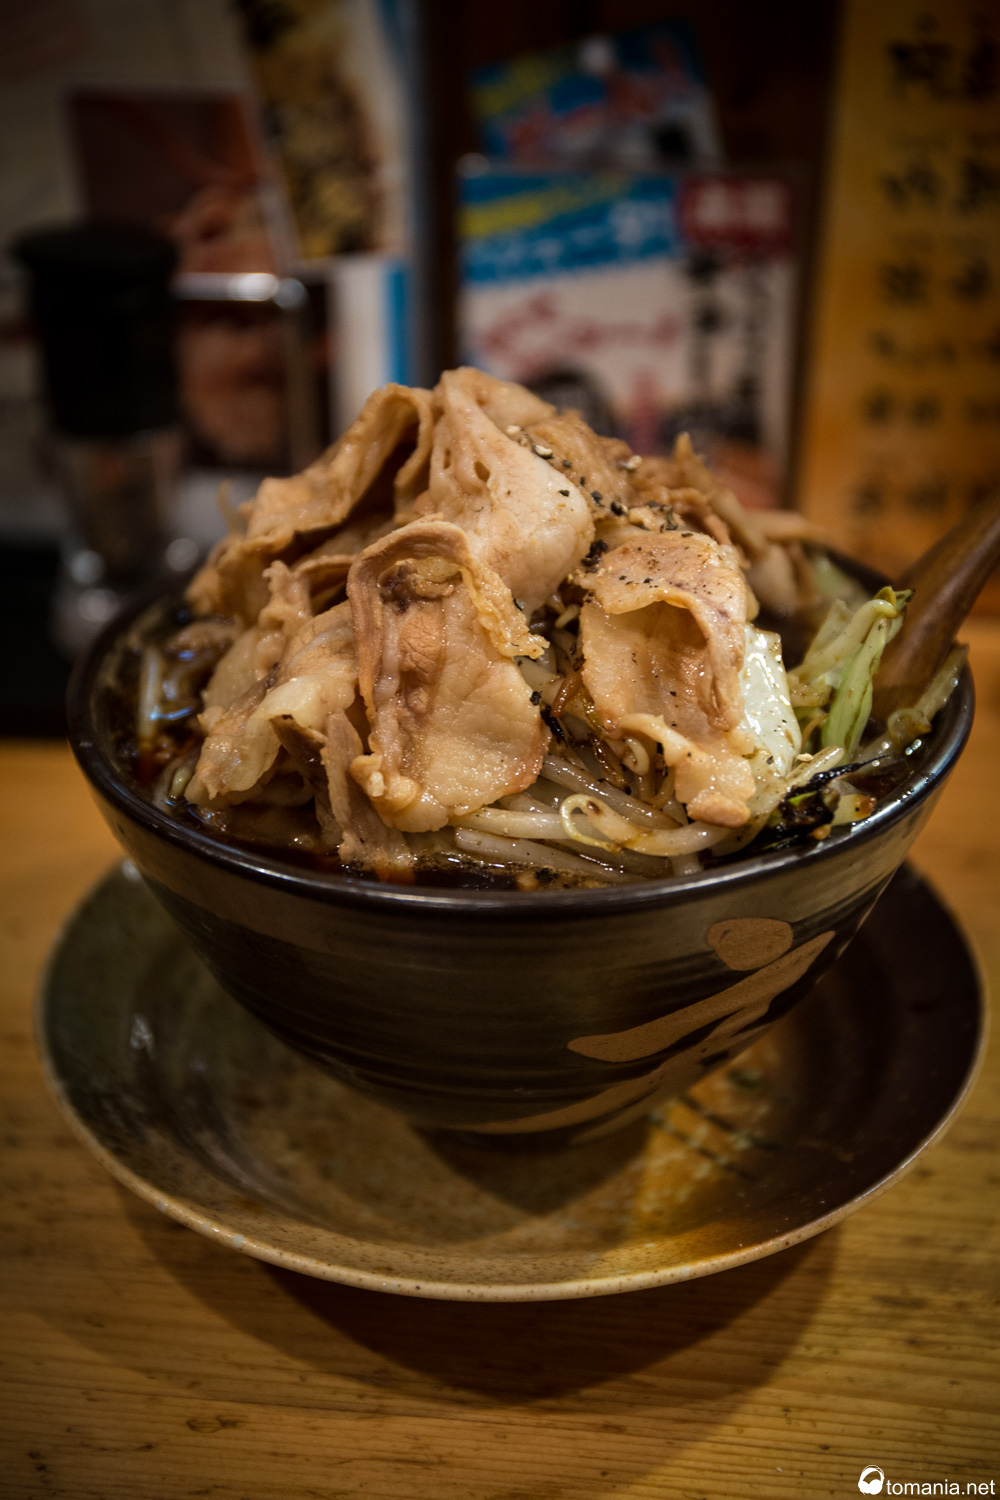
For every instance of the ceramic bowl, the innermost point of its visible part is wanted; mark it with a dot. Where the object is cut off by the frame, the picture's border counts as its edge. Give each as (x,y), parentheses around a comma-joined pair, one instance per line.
(507,1013)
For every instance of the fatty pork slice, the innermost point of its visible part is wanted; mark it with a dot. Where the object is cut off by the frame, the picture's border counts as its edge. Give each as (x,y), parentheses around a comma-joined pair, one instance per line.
(685,482)
(348,822)
(524,518)
(366,839)
(594,464)
(313,672)
(302,708)
(663,639)
(452,725)
(290,515)
(571,448)
(240,746)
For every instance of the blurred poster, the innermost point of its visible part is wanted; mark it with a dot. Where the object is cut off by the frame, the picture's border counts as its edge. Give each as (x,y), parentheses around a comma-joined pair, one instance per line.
(189,164)
(186,162)
(654,304)
(332,80)
(634,100)
(902,421)
(338,90)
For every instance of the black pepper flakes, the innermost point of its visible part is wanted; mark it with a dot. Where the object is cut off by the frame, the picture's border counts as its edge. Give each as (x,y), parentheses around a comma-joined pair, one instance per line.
(564,492)
(617,508)
(596,495)
(536,697)
(553,723)
(594,555)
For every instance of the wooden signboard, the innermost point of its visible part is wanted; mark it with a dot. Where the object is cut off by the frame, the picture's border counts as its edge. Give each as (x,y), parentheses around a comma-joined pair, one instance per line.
(901,426)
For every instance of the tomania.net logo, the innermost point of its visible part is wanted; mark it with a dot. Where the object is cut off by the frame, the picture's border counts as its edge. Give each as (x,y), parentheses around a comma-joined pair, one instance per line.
(873,1482)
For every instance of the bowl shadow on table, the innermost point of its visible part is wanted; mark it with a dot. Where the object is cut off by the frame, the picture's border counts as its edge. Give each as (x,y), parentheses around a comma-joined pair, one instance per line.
(714,1338)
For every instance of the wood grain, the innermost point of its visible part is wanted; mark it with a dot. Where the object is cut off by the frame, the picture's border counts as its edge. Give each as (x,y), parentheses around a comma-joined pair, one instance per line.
(139,1361)
(946,582)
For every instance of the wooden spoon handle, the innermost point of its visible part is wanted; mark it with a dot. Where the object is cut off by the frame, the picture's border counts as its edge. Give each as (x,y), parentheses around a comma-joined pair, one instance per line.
(945,581)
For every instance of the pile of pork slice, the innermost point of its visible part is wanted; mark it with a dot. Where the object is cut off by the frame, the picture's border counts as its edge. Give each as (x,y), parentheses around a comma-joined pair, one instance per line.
(451,516)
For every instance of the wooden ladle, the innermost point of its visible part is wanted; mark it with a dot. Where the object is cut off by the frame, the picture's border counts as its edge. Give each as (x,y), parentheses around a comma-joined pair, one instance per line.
(946,581)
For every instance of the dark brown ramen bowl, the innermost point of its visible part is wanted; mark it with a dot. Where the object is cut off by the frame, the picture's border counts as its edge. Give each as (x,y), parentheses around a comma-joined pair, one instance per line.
(503,1012)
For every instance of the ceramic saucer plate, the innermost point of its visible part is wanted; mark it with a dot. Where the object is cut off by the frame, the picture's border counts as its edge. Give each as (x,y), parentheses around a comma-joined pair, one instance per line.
(188,1101)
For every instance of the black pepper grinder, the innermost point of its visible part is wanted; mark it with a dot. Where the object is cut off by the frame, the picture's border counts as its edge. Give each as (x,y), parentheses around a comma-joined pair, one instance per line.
(103,312)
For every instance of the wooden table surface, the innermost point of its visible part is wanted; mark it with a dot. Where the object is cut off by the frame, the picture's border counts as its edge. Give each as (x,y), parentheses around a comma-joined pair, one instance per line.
(139,1360)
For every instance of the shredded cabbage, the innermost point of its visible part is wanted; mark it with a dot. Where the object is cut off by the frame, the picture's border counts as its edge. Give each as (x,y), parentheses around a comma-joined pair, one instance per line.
(840,665)
(767,705)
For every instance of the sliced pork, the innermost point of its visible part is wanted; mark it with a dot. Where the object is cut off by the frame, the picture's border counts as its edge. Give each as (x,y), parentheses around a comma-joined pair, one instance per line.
(304,673)
(452,724)
(366,839)
(378,613)
(663,640)
(381,460)
(523,518)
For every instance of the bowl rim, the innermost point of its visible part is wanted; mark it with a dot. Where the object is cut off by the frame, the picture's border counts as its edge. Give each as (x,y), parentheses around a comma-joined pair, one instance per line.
(332,887)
